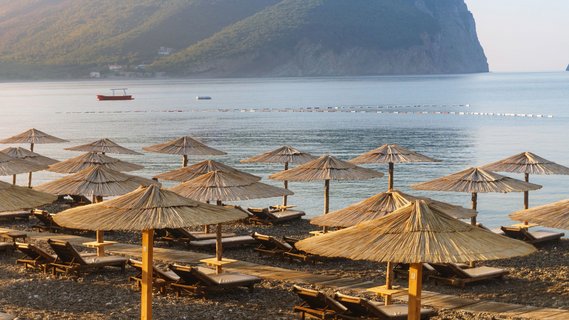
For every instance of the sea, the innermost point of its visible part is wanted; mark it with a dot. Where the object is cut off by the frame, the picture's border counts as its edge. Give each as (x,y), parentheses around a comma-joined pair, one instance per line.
(462,120)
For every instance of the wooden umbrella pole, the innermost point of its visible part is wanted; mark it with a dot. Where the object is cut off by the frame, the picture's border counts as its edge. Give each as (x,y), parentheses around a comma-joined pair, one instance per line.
(390,181)
(29,173)
(218,249)
(326,200)
(184,160)
(146,299)
(526,196)
(99,233)
(389,281)
(474,205)
(285,197)
(14,179)
(415,284)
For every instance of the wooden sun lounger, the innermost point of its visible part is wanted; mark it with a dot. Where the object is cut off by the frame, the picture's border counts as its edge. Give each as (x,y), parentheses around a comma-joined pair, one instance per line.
(316,304)
(15,215)
(269,245)
(363,308)
(185,236)
(455,275)
(272,215)
(229,242)
(70,261)
(402,270)
(38,259)
(161,278)
(200,280)
(533,237)
(46,222)
(298,254)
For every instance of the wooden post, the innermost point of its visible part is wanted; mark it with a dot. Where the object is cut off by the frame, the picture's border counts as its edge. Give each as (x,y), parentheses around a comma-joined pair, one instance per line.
(146,287)
(388,282)
(326,200)
(184,160)
(206,229)
(99,233)
(14,179)
(474,205)
(415,284)
(29,173)
(218,249)
(526,196)
(285,197)
(390,181)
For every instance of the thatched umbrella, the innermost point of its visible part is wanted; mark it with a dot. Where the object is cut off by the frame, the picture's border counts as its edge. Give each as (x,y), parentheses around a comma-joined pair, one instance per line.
(16,198)
(381,205)
(96,182)
(222,186)
(103,146)
(146,209)
(326,168)
(415,234)
(474,181)
(92,159)
(188,173)
(553,215)
(285,155)
(29,156)
(32,136)
(391,154)
(184,146)
(12,166)
(527,163)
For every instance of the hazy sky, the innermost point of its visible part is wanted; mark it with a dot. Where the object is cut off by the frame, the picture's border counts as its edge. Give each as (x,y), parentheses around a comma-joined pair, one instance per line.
(523,35)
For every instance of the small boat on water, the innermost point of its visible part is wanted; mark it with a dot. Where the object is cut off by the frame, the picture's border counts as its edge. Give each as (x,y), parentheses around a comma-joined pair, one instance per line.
(203,98)
(115,96)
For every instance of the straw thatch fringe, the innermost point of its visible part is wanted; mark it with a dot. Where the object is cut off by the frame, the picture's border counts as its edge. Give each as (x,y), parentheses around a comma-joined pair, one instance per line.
(414,234)
(283,154)
(391,153)
(92,159)
(381,205)
(144,209)
(97,181)
(476,180)
(184,146)
(200,168)
(105,146)
(29,156)
(527,162)
(33,136)
(10,166)
(226,186)
(18,198)
(326,168)
(553,215)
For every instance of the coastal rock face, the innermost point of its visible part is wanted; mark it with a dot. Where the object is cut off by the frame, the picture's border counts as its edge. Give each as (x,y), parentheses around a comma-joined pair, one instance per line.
(236,38)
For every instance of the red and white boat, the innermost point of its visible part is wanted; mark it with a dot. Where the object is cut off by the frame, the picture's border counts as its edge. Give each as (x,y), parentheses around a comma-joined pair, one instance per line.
(124,96)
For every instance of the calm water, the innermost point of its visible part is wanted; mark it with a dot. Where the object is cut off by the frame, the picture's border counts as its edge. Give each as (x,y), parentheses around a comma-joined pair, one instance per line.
(421,113)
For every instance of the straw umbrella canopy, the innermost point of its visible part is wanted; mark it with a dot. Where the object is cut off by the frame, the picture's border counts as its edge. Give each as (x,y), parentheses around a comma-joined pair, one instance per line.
(29,156)
(12,166)
(16,198)
(415,234)
(553,215)
(92,159)
(391,154)
(222,186)
(97,182)
(103,146)
(474,181)
(326,168)
(188,173)
(146,209)
(527,163)
(285,155)
(184,146)
(32,136)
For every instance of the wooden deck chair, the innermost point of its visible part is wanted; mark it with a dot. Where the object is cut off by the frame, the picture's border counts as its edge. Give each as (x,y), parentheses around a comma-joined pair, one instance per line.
(272,215)
(296,254)
(401,270)
(200,280)
(46,222)
(364,308)
(161,278)
(533,237)
(455,275)
(269,245)
(70,261)
(316,304)
(228,242)
(37,258)
(185,236)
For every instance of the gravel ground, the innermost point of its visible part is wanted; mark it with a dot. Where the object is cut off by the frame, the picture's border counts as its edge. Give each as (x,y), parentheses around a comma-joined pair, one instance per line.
(541,279)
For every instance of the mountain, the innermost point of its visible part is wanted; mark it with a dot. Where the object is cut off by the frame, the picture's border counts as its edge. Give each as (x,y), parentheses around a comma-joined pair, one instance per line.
(220,38)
